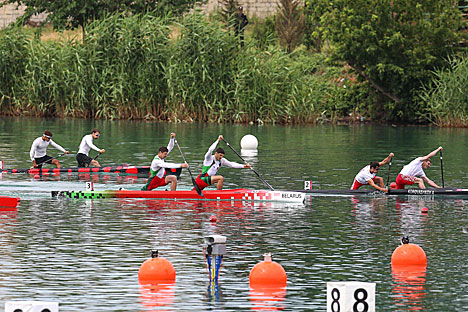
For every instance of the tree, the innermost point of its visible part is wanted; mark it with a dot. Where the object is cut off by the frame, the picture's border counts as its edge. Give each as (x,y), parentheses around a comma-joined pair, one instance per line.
(290,24)
(66,14)
(313,12)
(228,11)
(394,45)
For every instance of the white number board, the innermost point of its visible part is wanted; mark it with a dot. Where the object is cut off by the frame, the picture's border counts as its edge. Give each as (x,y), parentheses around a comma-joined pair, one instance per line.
(350,297)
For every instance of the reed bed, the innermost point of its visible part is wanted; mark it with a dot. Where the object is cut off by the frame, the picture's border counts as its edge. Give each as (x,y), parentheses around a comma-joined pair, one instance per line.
(135,68)
(445,101)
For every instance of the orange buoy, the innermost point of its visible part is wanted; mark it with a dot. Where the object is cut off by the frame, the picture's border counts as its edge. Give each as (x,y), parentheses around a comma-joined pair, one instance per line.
(155,270)
(393,185)
(409,254)
(267,273)
(424,210)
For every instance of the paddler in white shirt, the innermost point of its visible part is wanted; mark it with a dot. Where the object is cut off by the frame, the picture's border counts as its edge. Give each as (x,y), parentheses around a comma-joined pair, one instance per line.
(414,172)
(38,151)
(159,176)
(85,146)
(211,165)
(367,175)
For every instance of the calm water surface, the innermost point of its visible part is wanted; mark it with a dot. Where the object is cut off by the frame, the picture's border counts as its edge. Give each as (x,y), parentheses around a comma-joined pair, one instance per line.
(86,254)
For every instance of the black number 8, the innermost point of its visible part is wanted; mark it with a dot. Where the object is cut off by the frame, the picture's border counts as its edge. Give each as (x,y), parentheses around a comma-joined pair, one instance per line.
(360,300)
(335,303)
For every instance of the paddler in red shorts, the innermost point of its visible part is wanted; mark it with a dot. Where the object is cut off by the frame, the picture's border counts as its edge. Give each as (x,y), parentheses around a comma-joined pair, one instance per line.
(367,175)
(211,165)
(413,172)
(158,169)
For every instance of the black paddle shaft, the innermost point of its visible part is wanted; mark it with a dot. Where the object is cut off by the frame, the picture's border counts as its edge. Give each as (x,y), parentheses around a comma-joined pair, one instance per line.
(37,164)
(195,185)
(265,182)
(389,167)
(442,168)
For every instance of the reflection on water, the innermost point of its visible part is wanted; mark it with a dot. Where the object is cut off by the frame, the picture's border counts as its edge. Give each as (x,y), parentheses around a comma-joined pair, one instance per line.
(267,299)
(86,253)
(157,297)
(409,287)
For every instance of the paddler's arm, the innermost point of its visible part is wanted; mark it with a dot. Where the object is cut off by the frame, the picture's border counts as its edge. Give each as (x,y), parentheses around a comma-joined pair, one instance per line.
(372,183)
(89,141)
(430,182)
(32,151)
(431,154)
(231,164)
(58,147)
(386,160)
(170,145)
(209,155)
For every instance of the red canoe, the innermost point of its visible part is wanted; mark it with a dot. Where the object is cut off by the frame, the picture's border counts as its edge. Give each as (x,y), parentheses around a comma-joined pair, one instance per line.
(11,202)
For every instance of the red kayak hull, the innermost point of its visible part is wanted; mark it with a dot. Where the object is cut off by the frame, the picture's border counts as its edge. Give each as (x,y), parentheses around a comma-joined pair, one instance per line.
(223,195)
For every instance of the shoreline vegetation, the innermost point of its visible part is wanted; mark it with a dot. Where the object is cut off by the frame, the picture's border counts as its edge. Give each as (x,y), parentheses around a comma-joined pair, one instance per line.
(191,69)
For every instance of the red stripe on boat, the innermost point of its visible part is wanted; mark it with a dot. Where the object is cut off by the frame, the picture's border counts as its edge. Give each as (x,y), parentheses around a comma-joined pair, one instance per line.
(132,170)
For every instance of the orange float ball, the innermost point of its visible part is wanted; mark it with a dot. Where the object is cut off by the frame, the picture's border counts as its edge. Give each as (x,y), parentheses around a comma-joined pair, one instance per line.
(156,270)
(409,254)
(267,273)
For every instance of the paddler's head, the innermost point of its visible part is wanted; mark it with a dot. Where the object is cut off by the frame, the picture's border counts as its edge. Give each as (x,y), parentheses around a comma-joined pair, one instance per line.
(95,133)
(219,153)
(374,167)
(426,163)
(47,135)
(162,152)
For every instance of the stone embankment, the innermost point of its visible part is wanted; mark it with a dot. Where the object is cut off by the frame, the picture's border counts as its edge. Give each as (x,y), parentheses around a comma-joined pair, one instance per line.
(261,8)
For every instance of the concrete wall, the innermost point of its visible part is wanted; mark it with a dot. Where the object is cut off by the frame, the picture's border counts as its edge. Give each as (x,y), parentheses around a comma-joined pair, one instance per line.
(260,8)
(9,13)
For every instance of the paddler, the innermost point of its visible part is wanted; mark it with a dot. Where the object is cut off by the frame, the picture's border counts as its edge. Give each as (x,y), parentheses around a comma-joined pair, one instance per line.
(367,175)
(414,172)
(159,176)
(38,151)
(85,146)
(211,165)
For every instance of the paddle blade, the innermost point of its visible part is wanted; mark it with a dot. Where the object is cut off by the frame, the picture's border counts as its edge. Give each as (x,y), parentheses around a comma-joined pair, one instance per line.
(195,185)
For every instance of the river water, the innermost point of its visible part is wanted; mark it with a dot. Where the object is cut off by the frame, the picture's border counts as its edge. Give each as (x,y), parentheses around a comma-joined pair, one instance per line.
(85,254)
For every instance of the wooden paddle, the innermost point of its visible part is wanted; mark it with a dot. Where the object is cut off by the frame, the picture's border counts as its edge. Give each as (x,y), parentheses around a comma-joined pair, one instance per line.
(265,182)
(442,168)
(195,185)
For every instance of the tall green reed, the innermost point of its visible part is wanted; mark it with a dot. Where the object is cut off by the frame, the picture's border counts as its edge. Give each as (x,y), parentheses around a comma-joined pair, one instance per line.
(445,101)
(146,67)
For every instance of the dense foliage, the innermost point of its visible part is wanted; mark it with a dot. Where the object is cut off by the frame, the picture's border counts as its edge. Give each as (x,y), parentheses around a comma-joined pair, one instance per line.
(394,45)
(379,59)
(290,23)
(66,14)
(445,100)
(129,67)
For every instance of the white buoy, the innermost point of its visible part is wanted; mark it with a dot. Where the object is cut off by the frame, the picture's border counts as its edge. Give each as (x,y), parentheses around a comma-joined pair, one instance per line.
(249,142)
